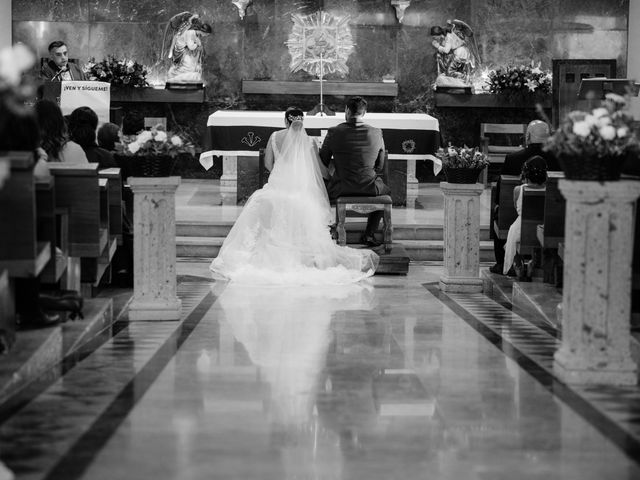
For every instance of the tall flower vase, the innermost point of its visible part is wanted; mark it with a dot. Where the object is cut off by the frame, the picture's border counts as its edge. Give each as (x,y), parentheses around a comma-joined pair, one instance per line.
(596,300)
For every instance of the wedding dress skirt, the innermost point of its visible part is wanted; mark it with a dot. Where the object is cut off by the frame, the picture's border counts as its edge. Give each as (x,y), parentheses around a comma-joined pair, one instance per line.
(282,235)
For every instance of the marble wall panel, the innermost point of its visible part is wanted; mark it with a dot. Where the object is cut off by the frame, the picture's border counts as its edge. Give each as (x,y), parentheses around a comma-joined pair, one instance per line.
(132,41)
(223,65)
(374,54)
(39,34)
(50,10)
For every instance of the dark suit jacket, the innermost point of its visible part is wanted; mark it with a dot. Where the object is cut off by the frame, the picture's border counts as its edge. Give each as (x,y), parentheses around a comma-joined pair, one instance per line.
(513,162)
(49,70)
(357,151)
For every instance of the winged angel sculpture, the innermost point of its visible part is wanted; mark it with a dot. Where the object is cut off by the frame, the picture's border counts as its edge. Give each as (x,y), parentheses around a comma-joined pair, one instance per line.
(457,54)
(186,51)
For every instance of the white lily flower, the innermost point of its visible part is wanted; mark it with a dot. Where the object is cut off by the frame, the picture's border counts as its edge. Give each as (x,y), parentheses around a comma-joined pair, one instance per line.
(607,132)
(133,147)
(161,136)
(176,140)
(144,136)
(582,129)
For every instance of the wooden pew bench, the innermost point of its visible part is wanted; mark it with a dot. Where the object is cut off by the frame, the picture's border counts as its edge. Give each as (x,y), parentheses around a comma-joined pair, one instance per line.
(52,227)
(22,254)
(551,233)
(506,208)
(86,197)
(531,216)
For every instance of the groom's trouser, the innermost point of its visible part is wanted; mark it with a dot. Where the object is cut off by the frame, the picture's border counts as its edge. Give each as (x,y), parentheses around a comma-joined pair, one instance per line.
(373,219)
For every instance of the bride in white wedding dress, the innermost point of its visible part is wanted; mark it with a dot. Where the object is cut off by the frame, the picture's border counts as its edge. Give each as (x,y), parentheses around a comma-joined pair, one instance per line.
(282,235)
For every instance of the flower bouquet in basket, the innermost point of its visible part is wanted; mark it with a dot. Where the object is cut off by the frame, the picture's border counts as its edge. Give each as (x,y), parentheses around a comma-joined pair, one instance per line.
(462,164)
(123,73)
(520,80)
(594,145)
(152,153)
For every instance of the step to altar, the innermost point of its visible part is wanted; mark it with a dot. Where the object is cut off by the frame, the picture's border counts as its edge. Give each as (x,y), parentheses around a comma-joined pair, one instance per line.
(203,239)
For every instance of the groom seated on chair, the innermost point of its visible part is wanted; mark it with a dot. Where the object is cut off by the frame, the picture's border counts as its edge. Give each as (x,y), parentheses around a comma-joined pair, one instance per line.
(357,152)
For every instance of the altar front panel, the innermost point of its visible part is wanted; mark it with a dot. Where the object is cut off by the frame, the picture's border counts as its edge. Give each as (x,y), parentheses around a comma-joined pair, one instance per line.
(408,136)
(238,136)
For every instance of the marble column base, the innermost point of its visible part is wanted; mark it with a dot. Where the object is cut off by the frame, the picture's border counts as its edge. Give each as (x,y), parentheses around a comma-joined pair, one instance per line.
(460,284)
(155,310)
(588,370)
(229,180)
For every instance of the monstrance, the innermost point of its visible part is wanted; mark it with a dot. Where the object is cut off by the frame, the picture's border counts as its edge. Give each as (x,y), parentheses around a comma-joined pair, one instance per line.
(320,44)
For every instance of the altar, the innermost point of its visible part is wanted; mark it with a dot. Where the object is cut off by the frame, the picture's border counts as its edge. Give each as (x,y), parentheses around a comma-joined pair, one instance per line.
(238,136)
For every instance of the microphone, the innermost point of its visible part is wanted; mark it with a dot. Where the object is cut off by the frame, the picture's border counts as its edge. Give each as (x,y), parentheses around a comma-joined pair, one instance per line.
(60,72)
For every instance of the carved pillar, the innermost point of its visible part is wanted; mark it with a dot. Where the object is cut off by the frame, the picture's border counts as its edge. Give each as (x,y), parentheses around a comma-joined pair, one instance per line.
(229,180)
(461,237)
(412,184)
(596,300)
(154,249)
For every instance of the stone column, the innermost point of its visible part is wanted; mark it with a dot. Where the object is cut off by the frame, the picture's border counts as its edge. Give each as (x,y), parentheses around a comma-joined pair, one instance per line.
(412,184)
(154,249)
(596,299)
(229,180)
(461,237)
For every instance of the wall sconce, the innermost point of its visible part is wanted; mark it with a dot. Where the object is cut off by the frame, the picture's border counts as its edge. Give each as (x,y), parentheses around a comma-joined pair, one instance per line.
(400,6)
(242,6)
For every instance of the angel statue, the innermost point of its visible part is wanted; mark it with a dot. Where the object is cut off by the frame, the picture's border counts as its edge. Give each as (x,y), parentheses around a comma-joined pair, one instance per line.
(457,54)
(186,51)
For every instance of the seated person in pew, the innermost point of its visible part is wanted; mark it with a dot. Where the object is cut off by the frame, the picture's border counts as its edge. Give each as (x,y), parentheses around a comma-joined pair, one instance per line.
(535,136)
(534,176)
(55,137)
(108,136)
(83,123)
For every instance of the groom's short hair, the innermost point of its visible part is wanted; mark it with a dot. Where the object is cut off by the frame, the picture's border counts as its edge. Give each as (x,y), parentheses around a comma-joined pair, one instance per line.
(357,105)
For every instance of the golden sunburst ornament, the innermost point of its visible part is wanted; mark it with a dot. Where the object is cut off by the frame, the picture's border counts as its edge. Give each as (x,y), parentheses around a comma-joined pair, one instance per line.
(320,44)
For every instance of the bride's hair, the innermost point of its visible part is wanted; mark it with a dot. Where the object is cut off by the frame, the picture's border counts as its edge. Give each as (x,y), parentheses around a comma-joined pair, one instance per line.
(291,113)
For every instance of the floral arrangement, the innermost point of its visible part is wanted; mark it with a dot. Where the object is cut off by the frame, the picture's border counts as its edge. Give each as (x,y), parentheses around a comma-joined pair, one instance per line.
(155,142)
(14,91)
(462,157)
(519,80)
(604,132)
(127,73)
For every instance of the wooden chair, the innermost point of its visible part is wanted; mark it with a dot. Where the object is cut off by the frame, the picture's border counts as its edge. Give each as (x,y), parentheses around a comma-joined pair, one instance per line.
(498,139)
(362,207)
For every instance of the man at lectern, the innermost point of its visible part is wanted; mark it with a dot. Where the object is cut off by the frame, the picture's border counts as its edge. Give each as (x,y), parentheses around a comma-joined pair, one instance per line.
(58,67)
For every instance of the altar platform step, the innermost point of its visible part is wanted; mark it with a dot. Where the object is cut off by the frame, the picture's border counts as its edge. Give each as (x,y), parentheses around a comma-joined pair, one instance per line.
(43,353)
(221,228)
(416,250)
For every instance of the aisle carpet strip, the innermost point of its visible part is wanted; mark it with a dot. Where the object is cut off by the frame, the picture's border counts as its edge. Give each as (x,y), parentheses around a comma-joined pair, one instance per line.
(614,411)
(62,430)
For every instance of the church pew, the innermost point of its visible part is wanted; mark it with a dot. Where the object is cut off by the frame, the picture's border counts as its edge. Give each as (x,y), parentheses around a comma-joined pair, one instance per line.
(532,215)
(551,232)
(94,268)
(554,212)
(7,313)
(506,207)
(115,201)
(21,252)
(53,227)
(77,189)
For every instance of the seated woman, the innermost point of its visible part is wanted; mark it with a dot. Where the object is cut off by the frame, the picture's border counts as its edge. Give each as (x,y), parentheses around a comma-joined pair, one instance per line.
(534,176)
(54,135)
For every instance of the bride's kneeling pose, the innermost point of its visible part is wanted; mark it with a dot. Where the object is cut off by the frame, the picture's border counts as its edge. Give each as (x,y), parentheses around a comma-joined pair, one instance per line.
(282,235)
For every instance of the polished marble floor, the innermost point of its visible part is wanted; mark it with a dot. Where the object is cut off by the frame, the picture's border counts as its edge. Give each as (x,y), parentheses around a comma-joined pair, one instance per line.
(385,379)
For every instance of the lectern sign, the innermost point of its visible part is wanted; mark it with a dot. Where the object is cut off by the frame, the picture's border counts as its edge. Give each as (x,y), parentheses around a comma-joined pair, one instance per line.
(320,44)
(96,95)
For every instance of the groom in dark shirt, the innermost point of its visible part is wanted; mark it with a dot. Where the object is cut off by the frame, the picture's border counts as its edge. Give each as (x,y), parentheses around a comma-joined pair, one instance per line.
(357,152)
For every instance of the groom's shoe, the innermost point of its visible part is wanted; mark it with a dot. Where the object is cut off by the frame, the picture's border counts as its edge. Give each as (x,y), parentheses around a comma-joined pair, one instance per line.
(369,240)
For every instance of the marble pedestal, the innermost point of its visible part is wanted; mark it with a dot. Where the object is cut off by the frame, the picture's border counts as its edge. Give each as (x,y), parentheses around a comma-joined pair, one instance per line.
(596,301)
(461,237)
(154,249)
